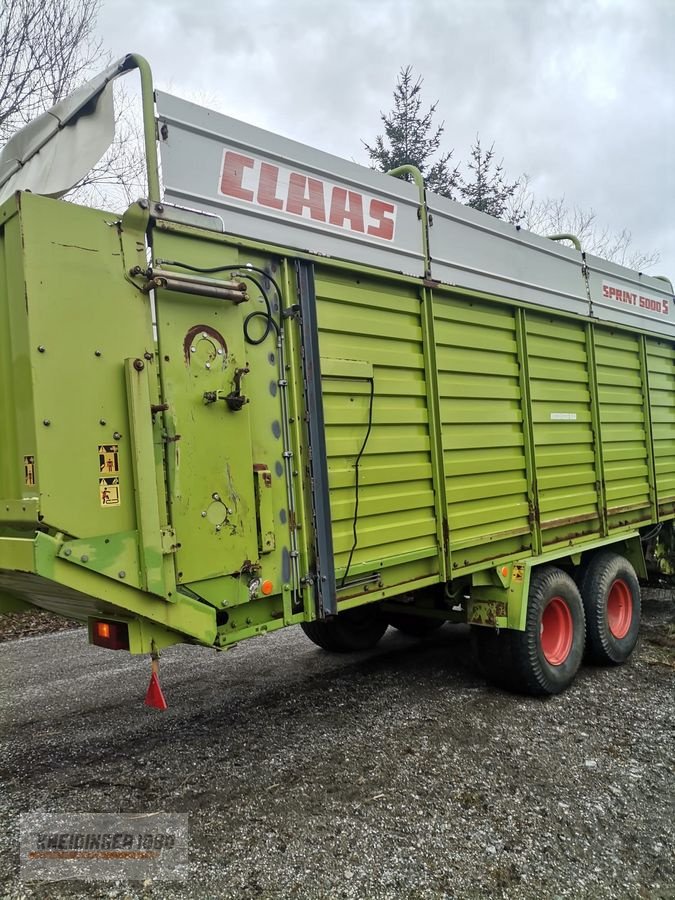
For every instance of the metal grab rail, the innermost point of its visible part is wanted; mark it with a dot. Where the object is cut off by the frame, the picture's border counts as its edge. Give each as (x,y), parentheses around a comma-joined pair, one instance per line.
(418,179)
(566,237)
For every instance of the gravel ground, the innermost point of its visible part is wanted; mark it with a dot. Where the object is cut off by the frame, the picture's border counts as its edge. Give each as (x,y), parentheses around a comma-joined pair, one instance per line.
(32,622)
(395,774)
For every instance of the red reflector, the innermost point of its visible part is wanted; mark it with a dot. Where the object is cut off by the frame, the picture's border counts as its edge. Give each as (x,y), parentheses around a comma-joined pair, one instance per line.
(112,635)
(155,695)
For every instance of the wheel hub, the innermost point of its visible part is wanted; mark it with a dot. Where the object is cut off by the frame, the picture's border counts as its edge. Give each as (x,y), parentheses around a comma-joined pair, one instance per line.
(557,631)
(619,609)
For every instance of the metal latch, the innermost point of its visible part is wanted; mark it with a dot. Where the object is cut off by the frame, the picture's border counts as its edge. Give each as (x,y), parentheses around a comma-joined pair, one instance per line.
(235,399)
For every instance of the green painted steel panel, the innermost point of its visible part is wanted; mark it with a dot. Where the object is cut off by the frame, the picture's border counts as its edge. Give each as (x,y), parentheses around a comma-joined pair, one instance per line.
(482,430)
(661,367)
(212,469)
(623,428)
(377,325)
(567,497)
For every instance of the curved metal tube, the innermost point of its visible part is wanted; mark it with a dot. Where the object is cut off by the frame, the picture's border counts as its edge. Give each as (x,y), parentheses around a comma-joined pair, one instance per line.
(667,281)
(566,237)
(414,173)
(149,133)
(417,177)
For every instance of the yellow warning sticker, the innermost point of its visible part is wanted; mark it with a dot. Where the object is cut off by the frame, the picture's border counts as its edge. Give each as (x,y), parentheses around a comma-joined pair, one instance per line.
(518,573)
(108,459)
(109,491)
(29,470)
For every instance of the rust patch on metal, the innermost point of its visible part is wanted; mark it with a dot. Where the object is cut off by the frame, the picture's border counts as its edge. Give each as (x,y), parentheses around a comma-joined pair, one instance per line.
(267,475)
(568,520)
(248,567)
(195,332)
(446,534)
(486,612)
(615,510)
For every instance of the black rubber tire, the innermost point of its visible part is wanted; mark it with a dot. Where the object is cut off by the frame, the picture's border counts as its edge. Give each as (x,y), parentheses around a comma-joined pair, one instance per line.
(515,660)
(414,625)
(353,630)
(598,579)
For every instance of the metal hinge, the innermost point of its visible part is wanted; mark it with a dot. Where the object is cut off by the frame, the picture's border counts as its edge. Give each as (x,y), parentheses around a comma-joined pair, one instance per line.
(168,537)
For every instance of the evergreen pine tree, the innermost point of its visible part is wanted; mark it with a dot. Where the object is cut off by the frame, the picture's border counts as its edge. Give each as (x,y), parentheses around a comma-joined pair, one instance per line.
(411,138)
(487,190)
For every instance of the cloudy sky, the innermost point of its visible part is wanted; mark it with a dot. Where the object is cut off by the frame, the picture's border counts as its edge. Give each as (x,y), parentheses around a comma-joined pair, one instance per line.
(579,94)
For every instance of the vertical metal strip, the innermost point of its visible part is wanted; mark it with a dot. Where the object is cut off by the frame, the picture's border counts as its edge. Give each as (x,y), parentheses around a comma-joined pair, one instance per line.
(596,424)
(649,430)
(326,598)
(145,477)
(528,431)
(435,433)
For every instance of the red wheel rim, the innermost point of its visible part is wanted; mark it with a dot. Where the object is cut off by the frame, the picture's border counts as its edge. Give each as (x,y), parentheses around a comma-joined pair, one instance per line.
(619,609)
(557,631)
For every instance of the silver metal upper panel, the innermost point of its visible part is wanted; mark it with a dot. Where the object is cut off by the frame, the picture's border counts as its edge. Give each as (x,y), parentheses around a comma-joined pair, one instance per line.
(473,250)
(275,190)
(630,298)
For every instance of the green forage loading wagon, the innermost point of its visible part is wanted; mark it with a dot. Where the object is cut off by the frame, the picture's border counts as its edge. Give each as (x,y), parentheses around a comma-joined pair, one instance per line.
(285,389)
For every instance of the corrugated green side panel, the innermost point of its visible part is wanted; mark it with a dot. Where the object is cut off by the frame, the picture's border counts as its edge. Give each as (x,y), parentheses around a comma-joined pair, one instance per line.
(624,433)
(562,429)
(482,429)
(661,367)
(368,325)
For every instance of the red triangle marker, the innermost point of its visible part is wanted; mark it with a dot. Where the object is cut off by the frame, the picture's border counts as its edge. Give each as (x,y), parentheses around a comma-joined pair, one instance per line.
(155,695)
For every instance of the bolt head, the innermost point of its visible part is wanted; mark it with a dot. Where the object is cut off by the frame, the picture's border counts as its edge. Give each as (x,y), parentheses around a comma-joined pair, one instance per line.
(117,435)
(122,574)
(84,558)
(203,514)
(41,349)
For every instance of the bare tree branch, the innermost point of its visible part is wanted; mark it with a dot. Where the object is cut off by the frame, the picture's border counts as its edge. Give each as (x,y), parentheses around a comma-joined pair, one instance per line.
(554,216)
(47,48)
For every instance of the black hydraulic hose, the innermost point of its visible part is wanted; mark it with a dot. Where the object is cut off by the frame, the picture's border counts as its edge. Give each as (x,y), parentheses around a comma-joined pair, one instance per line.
(244,272)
